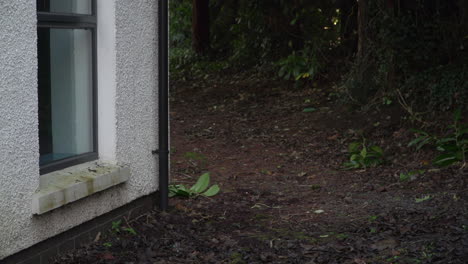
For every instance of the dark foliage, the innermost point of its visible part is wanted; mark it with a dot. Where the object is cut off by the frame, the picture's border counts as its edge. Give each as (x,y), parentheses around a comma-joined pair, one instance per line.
(413,48)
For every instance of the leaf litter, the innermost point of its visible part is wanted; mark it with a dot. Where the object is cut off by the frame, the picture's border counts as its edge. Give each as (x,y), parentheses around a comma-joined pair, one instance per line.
(372,216)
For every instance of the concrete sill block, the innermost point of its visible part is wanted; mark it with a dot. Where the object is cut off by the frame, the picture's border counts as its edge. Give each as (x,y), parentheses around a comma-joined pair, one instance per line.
(65,186)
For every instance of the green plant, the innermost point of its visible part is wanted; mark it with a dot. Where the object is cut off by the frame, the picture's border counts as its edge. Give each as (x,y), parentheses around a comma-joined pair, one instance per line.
(309,110)
(342,236)
(363,155)
(422,199)
(454,146)
(428,251)
(298,66)
(116,226)
(410,175)
(129,230)
(423,138)
(107,244)
(237,258)
(386,101)
(199,188)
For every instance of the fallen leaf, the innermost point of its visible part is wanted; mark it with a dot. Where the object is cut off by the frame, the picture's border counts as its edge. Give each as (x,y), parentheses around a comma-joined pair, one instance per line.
(98,236)
(359,261)
(107,256)
(385,244)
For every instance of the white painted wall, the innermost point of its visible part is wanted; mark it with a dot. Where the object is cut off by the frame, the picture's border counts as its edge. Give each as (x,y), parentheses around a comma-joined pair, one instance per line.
(127,79)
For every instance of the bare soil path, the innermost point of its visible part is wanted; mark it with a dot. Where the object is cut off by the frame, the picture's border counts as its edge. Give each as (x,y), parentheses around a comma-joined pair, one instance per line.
(284,196)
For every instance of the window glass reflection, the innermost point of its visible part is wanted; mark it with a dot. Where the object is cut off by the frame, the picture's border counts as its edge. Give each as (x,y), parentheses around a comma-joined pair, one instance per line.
(65,93)
(83,7)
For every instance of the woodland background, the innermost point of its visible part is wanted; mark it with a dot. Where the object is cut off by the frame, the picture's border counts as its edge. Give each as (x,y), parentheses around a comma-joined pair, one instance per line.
(410,51)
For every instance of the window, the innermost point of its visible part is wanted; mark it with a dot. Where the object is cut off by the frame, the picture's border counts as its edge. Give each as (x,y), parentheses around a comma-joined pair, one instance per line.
(66,82)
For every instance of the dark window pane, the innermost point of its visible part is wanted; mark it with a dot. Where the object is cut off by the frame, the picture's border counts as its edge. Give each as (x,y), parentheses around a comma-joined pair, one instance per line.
(65,93)
(65,6)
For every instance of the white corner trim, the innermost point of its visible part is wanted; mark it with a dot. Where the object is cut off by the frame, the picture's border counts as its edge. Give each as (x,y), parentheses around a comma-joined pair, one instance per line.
(106,78)
(65,186)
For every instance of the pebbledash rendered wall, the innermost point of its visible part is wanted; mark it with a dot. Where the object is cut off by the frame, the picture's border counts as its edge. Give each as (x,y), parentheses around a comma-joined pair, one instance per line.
(127,117)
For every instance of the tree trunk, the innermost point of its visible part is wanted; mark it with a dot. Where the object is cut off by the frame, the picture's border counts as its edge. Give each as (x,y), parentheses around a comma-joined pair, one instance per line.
(360,90)
(362,28)
(200,26)
(463,5)
(391,74)
(348,21)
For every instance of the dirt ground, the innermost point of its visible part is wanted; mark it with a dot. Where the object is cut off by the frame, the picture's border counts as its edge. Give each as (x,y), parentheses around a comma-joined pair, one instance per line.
(284,195)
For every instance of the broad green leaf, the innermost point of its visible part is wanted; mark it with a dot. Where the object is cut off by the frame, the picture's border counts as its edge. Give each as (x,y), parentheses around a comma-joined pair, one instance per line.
(445,140)
(180,187)
(202,183)
(178,190)
(404,177)
(440,148)
(364,152)
(422,199)
(448,147)
(377,149)
(213,190)
(309,110)
(371,162)
(445,160)
(173,188)
(415,141)
(351,165)
(422,143)
(372,155)
(353,147)
(418,131)
(354,157)
(293,22)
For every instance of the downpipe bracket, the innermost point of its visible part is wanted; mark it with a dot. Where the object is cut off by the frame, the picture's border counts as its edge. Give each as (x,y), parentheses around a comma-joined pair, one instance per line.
(160,152)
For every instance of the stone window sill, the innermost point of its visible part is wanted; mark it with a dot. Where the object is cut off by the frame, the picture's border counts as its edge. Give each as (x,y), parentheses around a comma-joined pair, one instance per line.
(62,187)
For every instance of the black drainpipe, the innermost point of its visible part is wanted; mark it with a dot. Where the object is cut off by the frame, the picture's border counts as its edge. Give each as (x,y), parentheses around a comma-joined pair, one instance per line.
(163,99)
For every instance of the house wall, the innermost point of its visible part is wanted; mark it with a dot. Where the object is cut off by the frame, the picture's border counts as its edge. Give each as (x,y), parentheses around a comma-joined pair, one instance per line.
(127,112)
